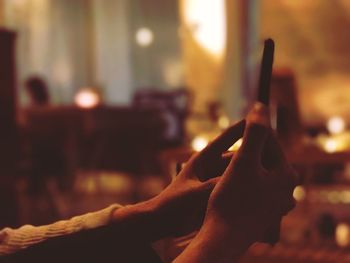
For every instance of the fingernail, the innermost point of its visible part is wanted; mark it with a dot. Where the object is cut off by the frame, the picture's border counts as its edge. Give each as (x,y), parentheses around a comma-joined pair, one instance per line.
(259,114)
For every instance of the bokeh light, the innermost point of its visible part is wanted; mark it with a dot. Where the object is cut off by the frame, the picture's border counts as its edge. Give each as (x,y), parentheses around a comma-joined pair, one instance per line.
(87,98)
(342,234)
(299,193)
(336,125)
(199,143)
(144,37)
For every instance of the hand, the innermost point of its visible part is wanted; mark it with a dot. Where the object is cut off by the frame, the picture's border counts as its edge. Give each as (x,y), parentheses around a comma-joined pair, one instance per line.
(257,187)
(183,203)
(254,192)
(180,208)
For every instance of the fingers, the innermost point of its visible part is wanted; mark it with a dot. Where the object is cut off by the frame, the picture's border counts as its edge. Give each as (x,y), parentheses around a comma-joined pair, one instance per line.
(212,182)
(258,127)
(208,186)
(224,140)
(208,163)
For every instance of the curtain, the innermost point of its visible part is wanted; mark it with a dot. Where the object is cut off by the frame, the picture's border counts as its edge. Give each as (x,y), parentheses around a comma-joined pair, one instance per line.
(52,43)
(242,58)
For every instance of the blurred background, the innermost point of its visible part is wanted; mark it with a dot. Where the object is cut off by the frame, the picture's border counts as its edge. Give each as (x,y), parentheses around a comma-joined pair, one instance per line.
(101,101)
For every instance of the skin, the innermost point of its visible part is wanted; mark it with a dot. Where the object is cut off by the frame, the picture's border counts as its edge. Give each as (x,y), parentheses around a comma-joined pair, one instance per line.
(180,208)
(252,195)
(241,200)
(235,202)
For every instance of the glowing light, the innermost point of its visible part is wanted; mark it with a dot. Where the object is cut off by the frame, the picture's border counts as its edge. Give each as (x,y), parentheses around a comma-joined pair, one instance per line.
(144,37)
(335,143)
(336,125)
(199,143)
(223,122)
(330,145)
(334,197)
(299,193)
(87,98)
(342,234)
(207,21)
(345,197)
(236,145)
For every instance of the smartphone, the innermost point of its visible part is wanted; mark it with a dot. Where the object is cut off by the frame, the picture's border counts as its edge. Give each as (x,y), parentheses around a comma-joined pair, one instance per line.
(266,72)
(263,95)
(273,233)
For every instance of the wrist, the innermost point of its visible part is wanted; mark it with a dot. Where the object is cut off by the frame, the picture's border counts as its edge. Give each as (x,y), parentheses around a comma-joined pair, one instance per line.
(217,241)
(238,234)
(235,235)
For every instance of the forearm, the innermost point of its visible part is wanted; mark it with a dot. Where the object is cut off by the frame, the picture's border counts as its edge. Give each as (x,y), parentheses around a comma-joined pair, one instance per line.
(87,238)
(101,244)
(142,221)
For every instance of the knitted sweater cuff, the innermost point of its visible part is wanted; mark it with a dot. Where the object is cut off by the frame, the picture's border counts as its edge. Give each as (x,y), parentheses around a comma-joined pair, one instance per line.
(12,240)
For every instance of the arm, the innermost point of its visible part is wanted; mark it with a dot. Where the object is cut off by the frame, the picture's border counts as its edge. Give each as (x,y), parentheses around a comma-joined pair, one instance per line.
(178,210)
(12,240)
(216,242)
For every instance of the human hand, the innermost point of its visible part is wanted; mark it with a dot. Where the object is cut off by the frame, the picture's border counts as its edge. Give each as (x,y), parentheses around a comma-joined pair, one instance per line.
(250,198)
(180,208)
(183,203)
(256,189)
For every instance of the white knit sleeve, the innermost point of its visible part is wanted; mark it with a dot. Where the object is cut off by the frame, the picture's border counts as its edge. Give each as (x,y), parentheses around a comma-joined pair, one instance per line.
(12,240)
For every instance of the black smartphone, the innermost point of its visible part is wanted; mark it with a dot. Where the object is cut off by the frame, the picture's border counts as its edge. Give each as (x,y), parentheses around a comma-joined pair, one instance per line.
(266,72)
(263,95)
(272,234)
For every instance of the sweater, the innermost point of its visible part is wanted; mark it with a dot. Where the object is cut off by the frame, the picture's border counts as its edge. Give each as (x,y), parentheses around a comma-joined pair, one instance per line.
(13,240)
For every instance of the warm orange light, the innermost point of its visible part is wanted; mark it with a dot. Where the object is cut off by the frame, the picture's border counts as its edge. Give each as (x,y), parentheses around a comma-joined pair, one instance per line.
(336,125)
(335,143)
(199,143)
(236,145)
(330,145)
(87,98)
(342,235)
(207,22)
(223,122)
(299,193)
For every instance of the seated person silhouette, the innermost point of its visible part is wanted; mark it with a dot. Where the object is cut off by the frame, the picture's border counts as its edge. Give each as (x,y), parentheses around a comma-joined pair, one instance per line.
(38,91)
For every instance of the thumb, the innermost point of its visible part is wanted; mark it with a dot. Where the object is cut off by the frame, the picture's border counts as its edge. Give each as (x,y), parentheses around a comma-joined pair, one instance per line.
(255,134)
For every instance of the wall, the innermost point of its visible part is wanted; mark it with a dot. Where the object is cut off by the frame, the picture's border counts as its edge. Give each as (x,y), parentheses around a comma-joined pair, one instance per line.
(159,64)
(112,51)
(313,39)
(229,77)
(51,37)
(79,43)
